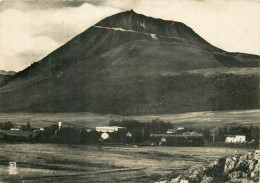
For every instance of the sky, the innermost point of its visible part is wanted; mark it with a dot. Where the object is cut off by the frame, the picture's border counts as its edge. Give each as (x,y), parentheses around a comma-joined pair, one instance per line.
(31,29)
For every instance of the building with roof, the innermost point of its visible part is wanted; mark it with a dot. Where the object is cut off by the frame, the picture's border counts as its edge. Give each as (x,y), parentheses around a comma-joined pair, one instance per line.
(235,138)
(195,139)
(109,129)
(172,131)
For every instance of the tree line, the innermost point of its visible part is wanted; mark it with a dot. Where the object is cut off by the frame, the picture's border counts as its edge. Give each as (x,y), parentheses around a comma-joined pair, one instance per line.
(139,132)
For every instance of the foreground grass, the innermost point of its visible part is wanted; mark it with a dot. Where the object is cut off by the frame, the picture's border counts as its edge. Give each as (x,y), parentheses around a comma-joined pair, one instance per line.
(64,163)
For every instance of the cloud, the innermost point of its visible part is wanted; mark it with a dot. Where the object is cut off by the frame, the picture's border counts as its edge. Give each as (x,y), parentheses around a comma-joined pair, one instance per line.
(42,31)
(25,5)
(232,25)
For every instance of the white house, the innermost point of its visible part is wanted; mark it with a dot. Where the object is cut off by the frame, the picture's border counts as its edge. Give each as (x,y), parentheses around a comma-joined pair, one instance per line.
(235,139)
(38,130)
(180,128)
(16,128)
(171,131)
(110,129)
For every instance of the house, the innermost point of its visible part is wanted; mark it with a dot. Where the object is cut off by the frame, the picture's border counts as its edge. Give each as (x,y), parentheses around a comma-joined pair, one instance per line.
(175,130)
(192,133)
(235,138)
(38,130)
(110,129)
(180,128)
(88,130)
(16,128)
(186,133)
(171,131)
(163,139)
(17,136)
(195,139)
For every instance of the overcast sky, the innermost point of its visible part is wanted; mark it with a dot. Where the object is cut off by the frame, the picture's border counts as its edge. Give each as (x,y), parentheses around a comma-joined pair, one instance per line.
(29,30)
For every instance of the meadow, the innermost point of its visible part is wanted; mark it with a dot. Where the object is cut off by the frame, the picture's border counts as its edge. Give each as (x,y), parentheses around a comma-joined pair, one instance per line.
(48,163)
(91,120)
(43,163)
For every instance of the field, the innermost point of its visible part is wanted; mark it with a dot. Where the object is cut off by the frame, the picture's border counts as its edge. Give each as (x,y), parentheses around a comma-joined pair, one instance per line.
(90,120)
(43,163)
(47,163)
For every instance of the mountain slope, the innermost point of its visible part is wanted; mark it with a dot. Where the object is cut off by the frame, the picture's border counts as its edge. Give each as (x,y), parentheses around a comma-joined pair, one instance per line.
(5,75)
(132,64)
(130,20)
(2,72)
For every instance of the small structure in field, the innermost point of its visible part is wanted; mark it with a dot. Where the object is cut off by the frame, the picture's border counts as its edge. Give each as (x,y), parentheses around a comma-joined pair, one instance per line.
(163,139)
(109,129)
(129,134)
(235,139)
(105,136)
(12,168)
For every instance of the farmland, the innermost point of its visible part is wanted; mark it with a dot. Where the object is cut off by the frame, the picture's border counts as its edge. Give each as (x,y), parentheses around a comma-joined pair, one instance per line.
(47,163)
(91,120)
(65,163)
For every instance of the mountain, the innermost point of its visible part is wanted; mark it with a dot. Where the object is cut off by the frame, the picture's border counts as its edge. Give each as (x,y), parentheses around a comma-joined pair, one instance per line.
(132,64)
(2,72)
(4,75)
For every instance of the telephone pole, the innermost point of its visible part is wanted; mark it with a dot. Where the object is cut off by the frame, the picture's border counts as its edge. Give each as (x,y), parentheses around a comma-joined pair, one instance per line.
(213,135)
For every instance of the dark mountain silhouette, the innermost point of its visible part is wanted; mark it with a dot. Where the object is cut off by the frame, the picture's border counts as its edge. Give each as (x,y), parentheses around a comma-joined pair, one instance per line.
(4,75)
(132,64)
(2,72)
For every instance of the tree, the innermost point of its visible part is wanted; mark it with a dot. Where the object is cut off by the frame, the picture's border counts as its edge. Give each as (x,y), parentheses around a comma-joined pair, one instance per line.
(220,137)
(7,125)
(256,137)
(206,134)
(225,130)
(53,128)
(249,134)
(28,126)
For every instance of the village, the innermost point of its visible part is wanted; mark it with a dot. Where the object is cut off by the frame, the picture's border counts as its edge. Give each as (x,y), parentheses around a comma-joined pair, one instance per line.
(132,132)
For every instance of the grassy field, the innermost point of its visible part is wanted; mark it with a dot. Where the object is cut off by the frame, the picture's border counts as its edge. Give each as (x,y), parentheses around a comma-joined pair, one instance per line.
(47,163)
(90,120)
(43,163)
